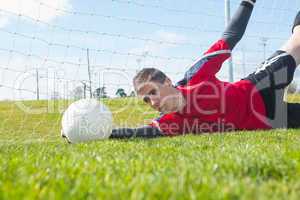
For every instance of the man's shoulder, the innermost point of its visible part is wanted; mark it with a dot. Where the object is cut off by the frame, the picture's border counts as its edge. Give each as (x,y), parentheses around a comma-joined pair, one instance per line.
(169,124)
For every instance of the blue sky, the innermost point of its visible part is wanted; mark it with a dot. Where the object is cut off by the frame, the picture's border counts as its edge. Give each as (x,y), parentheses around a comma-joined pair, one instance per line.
(123,36)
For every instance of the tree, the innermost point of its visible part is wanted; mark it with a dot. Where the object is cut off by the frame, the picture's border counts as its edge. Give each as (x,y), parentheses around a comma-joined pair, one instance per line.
(121,92)
(100,93)
(132,94)
(55,95)
(77,93)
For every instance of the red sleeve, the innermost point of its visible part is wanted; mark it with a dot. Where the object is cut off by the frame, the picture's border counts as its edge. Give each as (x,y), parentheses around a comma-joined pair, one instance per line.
(209,64)
(169,124)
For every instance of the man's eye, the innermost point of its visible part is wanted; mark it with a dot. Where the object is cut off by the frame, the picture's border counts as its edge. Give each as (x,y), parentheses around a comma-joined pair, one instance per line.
(146,99)
(152,92)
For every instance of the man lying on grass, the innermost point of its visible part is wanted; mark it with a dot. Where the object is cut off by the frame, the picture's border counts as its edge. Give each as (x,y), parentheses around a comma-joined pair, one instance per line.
(202,103)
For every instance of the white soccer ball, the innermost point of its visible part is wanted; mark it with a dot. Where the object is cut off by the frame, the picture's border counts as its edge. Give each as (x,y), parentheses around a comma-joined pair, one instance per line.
(86,120)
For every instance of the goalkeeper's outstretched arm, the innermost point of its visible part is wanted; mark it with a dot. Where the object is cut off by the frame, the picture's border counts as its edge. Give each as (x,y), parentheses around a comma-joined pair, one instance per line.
(143,132)
(237,26)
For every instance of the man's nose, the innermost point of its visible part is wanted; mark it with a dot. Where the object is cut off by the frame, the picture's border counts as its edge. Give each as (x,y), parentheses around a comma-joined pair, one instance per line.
(154,102)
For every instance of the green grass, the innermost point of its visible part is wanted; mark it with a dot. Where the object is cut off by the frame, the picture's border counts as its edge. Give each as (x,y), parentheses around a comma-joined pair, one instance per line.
(35,163)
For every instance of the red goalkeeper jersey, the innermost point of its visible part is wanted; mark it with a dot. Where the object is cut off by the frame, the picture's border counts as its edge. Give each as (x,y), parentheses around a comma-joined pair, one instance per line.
(213,105)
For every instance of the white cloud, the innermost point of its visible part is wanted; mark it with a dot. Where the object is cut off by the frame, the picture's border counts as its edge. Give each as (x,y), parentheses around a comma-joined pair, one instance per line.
(3,21)
(170,37)
(34,9)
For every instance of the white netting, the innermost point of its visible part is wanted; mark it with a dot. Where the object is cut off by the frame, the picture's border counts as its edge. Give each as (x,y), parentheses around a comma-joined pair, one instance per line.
(44,43)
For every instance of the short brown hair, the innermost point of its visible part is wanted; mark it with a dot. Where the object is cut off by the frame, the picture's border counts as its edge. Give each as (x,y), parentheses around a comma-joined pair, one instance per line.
(149,75)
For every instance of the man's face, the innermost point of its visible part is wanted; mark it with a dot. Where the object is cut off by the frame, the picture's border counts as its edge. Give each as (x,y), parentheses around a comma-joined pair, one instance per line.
(163,97)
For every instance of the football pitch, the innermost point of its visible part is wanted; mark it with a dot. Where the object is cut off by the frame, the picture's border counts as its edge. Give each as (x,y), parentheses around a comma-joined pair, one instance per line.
(35,163)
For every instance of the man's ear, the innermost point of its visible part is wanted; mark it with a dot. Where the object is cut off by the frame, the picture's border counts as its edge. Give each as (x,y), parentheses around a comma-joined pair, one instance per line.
(168,82)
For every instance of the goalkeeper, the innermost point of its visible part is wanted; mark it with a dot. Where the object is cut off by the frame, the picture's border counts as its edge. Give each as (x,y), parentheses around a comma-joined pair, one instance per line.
(201,103)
